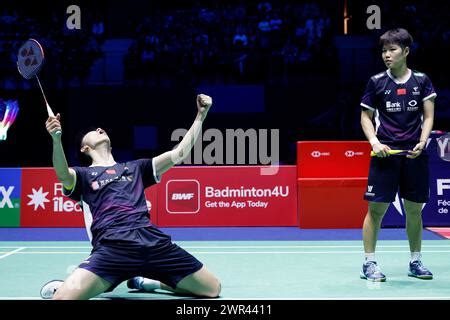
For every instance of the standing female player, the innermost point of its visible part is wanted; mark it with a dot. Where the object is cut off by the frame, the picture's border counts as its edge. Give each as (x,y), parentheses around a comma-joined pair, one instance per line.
(402,102)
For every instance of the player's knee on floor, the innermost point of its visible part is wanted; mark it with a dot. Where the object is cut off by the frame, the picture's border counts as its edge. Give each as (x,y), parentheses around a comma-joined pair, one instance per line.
(215,289)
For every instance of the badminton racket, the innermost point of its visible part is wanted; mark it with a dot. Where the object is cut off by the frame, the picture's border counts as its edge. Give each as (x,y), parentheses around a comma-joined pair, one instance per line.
(391,152)
(30,59)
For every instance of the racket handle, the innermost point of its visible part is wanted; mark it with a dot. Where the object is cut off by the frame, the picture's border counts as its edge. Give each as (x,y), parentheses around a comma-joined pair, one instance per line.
(373,153)
(51,114)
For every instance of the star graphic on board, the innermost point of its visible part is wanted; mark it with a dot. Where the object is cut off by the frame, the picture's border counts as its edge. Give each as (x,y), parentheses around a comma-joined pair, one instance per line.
(38,198)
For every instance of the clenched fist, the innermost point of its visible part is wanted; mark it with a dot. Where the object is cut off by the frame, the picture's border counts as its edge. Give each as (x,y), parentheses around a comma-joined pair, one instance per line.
(204,102)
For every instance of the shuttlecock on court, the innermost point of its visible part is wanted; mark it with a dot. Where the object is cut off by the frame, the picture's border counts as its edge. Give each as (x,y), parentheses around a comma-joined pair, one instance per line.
(8,113)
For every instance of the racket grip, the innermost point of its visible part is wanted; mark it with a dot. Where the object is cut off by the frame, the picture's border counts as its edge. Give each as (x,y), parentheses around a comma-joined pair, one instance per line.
(51,114)
(50,111)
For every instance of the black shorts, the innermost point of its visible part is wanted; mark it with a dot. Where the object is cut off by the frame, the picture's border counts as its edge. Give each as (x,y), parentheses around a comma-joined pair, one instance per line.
(409,177)
(146,252)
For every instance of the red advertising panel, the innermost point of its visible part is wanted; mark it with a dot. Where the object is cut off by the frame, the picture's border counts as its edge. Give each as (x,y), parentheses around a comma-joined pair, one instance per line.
(333,203)
(43,202)
(333,159)
(228,196)
(332,178)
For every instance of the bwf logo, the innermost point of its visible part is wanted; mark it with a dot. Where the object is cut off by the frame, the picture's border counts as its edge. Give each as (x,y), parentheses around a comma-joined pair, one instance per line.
(183,196)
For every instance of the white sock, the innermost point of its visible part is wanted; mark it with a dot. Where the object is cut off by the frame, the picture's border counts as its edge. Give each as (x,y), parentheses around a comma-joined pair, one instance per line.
(369,256)
(150,284)
(416,256)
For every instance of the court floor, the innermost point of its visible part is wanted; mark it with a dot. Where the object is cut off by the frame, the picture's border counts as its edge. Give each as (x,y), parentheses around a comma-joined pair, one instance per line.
(250,269)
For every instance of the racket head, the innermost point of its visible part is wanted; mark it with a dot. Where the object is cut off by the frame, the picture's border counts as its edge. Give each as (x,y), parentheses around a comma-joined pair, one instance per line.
(30,58)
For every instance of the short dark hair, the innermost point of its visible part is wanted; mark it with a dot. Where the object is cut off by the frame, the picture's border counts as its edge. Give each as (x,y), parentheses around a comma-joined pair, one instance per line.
(397,36)
(82,133)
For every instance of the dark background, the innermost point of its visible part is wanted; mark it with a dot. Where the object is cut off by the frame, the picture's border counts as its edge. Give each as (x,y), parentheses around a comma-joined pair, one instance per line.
(138,74)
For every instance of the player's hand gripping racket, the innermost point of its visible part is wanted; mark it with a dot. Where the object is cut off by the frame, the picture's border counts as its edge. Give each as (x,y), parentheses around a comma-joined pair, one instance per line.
(391,152)
(29,62)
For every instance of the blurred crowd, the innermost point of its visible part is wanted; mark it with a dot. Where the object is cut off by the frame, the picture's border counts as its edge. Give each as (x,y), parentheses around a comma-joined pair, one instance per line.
(72,53)
(252,41)
(241,42)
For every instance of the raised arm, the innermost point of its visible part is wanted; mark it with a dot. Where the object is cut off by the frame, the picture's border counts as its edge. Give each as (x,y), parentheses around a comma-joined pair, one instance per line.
(63,172)
(168,159)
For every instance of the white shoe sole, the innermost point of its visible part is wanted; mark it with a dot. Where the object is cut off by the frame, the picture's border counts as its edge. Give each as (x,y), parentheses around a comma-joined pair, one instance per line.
(48,289)
(362,276)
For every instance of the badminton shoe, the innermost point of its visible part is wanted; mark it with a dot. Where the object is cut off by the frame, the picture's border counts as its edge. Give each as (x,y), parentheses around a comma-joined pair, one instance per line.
(136,283)
(418,270)
(49,289)
(371,271)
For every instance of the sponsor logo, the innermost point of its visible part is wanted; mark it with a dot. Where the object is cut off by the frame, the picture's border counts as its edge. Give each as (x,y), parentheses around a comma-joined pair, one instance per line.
(412,106)
(39,199)
(393,106)
(369,192)
(227,192)
(5,200)
(387,92)
(10,189)
(183,196)
(416,91)
(401,92)
(318,154)
(94,173)
(442,184)
(443,147)
(95,185)
(351,153)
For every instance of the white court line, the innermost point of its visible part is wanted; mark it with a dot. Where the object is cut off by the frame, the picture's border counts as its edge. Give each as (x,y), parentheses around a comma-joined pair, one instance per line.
(245,252)
(21,298)
(243,247)
(12,252)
